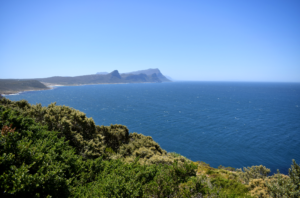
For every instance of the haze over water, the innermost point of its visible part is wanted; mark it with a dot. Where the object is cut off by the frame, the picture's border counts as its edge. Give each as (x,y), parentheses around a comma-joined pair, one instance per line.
(220,123)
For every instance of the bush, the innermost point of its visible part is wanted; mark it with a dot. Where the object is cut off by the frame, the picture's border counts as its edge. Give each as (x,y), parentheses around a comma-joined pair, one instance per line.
(253,172)
(33,161)
(294,173)
(36,162)
(90,141)
(284,186)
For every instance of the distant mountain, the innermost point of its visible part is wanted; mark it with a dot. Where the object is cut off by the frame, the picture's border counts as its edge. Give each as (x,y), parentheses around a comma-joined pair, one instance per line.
(148,72)
(10,86)
(102,73)
(115,75)
(142,76)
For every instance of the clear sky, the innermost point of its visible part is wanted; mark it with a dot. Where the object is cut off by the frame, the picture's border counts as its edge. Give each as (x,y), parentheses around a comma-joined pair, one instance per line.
(225,40)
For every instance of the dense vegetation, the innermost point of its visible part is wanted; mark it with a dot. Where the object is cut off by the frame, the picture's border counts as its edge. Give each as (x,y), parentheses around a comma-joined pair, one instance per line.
(56,151)
(14,86)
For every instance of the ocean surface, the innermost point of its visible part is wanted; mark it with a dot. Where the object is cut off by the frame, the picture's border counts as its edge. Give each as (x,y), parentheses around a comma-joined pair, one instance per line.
(221,123)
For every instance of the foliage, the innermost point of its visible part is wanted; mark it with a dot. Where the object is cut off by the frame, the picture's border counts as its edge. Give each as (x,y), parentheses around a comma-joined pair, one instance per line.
(221,182)
(33,161)
(134,180)
(91,140)
(253,172)
(278,185)
(294,173)
(281,186)
(258,188)
(36,162)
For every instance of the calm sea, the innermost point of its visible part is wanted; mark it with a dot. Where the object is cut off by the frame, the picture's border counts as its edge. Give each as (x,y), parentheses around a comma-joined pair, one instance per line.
(220,123)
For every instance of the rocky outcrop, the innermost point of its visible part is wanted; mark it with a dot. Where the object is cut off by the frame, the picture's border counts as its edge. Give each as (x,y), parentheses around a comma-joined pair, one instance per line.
(115,75)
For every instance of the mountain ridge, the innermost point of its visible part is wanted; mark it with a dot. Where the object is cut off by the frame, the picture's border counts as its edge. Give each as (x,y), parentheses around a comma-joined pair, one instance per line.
(141,76)
(11,86)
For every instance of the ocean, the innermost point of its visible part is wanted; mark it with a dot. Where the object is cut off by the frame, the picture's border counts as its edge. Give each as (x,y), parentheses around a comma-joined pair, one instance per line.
(234,124)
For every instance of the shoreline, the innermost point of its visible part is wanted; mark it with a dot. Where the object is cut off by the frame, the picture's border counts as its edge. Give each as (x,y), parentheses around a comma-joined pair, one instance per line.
(51,86)
(23,91)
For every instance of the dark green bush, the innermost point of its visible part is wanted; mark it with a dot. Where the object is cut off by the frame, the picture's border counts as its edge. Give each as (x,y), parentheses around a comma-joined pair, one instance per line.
(33,161)
(91,141)
(36,162)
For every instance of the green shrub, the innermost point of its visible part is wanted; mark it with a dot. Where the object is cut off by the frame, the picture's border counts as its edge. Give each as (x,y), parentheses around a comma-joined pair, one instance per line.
(36,162)
(294,173)
(253,172)
(33,161)
(284,186)
(119,179)
(91,141)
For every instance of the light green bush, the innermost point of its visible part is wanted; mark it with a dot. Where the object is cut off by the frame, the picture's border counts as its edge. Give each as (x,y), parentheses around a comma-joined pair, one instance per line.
(284,186)
(253,172)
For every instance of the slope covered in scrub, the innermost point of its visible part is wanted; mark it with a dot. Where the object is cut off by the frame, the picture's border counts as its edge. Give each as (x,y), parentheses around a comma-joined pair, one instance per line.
(56,151)
(91,140)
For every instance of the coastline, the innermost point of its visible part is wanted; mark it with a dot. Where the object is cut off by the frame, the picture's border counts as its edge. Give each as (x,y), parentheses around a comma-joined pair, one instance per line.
(18,92)
(52,86)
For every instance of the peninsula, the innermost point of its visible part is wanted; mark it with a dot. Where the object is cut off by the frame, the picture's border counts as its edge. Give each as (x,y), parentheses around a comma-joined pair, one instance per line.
(143,76)
(10,86)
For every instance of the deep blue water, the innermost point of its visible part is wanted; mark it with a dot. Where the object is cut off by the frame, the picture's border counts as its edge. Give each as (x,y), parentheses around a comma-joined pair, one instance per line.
(220,123)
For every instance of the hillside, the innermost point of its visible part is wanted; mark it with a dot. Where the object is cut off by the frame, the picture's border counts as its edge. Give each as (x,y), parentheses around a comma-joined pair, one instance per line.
(56,151)
(9,86)
(113,77)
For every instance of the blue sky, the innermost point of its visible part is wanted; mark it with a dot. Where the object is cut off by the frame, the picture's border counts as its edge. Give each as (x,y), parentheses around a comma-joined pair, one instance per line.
(226,40)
